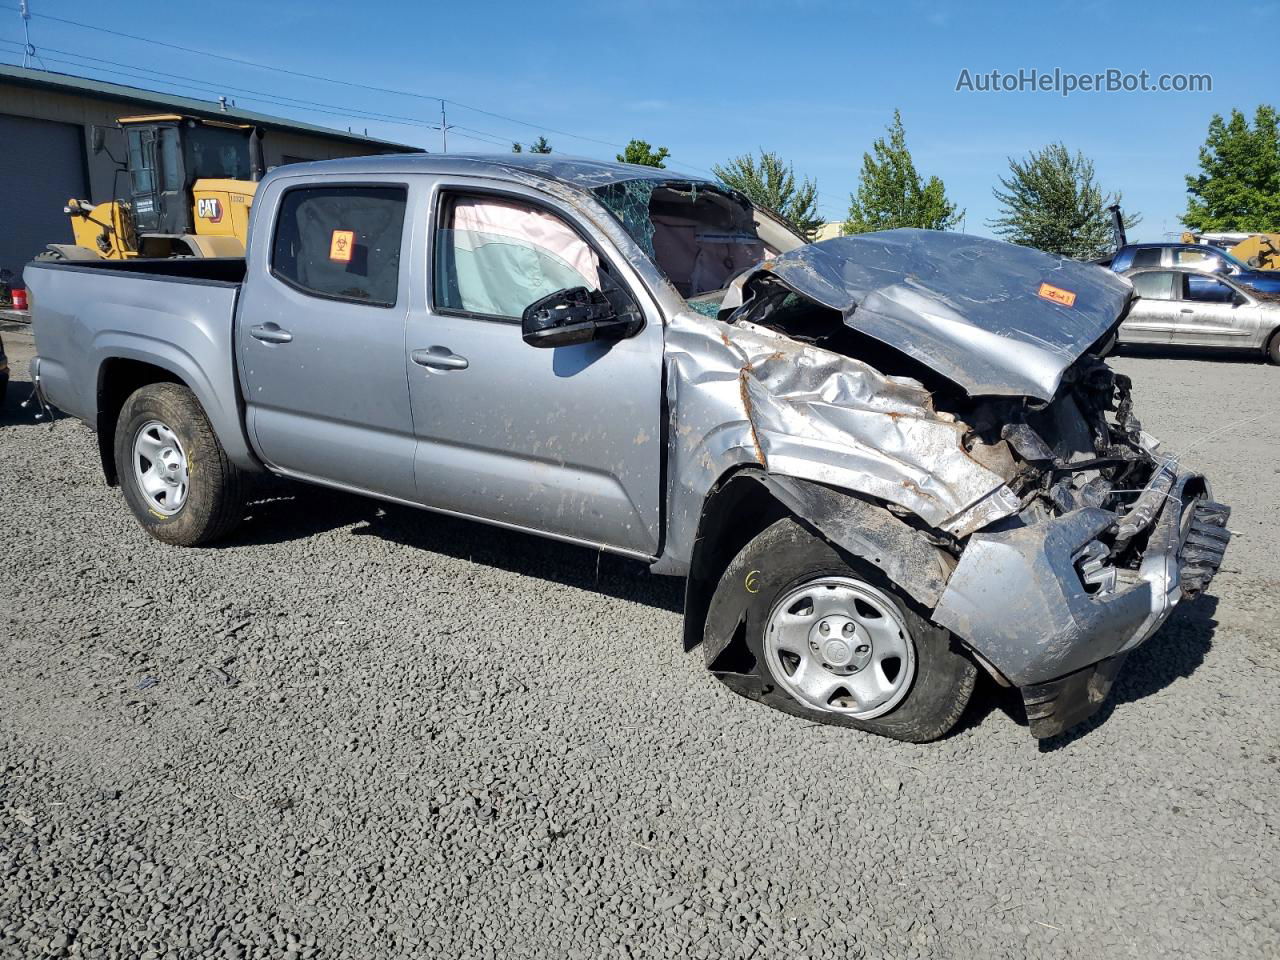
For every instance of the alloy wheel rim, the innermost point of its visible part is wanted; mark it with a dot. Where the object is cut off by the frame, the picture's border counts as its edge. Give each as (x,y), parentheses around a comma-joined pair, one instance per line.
(160,467)
(842,646)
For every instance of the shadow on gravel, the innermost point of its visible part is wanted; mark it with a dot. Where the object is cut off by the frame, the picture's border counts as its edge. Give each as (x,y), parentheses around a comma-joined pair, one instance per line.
(11,414)
(1176,651)
(283,510)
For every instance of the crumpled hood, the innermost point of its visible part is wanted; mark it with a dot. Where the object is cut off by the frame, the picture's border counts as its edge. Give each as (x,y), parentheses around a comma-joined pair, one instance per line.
(995,318)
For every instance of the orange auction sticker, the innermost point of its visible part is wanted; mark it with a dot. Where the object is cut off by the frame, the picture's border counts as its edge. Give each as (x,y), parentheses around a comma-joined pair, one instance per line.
(340,244)
(1057,295)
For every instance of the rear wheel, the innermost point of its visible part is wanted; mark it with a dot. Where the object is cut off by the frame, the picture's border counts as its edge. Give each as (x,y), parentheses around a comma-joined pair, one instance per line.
(1273,348)
(174,473)
(832,639)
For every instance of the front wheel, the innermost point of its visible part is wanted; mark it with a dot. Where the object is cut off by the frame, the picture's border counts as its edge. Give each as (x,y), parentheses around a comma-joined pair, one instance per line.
(831,639)
(174,473)
(1273,348)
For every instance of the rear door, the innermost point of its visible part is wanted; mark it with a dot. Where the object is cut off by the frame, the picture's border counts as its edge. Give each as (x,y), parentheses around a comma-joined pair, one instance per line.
(566,441)
(320,334)
(1151,318)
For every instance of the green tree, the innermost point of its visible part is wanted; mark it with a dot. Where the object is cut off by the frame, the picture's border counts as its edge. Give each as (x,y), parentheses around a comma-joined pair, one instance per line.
(892,194)
(771,183)
(540,146)
(1238,186)
(639,151)
(1052,201)
(517,148)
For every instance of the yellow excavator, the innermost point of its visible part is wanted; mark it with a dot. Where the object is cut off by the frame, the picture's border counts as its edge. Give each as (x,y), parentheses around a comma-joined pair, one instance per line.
(191,184)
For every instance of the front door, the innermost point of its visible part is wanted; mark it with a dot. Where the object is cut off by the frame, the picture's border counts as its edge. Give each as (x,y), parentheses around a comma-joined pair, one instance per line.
(320,336)
(566,441)
(1212,313)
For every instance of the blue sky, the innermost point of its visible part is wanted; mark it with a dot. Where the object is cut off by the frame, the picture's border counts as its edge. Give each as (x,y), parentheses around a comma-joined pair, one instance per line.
(813,80)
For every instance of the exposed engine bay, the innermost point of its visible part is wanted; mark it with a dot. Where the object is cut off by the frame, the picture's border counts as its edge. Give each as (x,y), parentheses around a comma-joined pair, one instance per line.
(1084,448)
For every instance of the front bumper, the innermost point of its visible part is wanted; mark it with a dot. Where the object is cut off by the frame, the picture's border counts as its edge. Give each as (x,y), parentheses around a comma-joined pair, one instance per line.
(1019,597)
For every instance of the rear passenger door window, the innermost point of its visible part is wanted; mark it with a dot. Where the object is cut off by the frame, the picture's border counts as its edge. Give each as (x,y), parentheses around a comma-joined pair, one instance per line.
(341,242)
(1146,257)
(1153,286)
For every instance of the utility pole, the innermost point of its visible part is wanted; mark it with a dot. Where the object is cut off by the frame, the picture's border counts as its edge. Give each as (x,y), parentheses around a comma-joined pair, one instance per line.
(28,51)
(444,130)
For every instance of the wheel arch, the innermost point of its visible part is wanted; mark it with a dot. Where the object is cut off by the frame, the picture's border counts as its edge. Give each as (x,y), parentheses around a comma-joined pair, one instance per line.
(118,378)
(746,501)
(1269,343)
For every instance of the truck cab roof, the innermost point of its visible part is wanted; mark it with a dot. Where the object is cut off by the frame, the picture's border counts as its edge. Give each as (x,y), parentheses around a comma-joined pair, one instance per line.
(578,172)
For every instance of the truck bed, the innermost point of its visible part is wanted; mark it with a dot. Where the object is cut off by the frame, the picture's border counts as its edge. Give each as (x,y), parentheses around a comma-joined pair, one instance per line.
(96,320)
(194,269)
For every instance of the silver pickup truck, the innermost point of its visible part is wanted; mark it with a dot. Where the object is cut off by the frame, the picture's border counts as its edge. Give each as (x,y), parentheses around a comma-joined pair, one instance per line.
(883,463)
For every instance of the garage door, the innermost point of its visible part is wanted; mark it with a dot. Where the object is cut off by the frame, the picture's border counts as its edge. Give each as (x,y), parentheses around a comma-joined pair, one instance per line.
(41,166)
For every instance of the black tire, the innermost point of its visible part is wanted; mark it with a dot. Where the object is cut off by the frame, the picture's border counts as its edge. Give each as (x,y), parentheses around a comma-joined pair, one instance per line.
(1108,348)
(1273,348)
(214,502)
(787,555)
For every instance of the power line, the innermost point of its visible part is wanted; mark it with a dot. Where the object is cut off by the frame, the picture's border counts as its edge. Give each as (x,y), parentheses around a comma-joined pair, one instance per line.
(479,136)
(313,76)
(256,96)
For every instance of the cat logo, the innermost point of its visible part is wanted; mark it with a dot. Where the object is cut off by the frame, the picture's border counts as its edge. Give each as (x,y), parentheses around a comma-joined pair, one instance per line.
(209,209)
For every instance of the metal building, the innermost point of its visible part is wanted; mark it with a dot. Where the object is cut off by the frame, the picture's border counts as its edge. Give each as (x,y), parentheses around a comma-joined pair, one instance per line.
(59,139)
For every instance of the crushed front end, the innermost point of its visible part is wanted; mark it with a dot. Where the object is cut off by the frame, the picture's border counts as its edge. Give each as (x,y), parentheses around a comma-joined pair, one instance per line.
(1110,535)
(951,387)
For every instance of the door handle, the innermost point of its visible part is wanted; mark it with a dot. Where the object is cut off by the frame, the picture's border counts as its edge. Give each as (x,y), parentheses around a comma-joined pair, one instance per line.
(1186,310)
(270,333)
(439,358)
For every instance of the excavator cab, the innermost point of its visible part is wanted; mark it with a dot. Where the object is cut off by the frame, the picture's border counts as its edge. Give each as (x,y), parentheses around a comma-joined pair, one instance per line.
(191,183)
(168,155)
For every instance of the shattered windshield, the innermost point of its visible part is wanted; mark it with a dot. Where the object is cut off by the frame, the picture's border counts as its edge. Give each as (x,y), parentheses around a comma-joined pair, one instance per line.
(698,236)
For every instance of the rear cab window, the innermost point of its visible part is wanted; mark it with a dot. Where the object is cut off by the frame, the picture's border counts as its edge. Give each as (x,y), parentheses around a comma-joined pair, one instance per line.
(341,242)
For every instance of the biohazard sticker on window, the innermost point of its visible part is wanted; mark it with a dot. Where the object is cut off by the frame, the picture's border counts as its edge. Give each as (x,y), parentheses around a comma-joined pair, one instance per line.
(340,244)
(1065,297)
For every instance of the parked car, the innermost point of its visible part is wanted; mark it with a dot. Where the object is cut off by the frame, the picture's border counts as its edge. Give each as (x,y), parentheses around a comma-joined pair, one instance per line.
(1186,308)
(885,463)
(1202,259)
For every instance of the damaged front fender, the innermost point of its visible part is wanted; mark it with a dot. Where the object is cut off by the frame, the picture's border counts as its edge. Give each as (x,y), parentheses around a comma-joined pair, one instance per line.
(743,395)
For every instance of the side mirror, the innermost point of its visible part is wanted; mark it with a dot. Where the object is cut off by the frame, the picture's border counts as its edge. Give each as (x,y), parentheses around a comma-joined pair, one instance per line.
(576,315)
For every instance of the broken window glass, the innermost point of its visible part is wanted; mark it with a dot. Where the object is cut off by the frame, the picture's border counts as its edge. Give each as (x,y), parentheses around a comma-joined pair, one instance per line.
(628,200)
(698,236)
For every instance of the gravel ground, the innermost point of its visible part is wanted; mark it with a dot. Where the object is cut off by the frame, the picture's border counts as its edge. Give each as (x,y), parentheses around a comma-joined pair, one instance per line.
(361,731)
